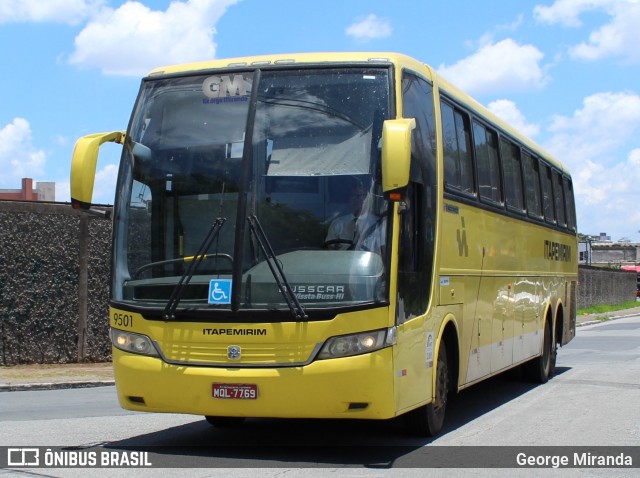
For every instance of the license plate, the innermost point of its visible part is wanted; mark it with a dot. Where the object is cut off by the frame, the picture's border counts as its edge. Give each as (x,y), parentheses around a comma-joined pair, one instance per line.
(236,391)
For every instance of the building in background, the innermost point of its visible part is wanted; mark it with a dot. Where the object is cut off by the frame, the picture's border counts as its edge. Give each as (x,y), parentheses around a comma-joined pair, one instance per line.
(601,251)
(45,191)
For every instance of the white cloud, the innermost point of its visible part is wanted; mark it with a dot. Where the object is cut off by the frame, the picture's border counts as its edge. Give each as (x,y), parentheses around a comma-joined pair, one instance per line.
(63,190)
(607,197)
(513,26)
(594,143)
(133,39)
(369,28)
(509,112)
(634,158)
(58,11)
(617,38)
(19,158)
(605,122)
(105,184)
(567,12)
(498,67)
(61,140)
(620,37)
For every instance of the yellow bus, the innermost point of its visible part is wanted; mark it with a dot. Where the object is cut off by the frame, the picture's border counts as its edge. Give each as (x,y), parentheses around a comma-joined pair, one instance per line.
(328,235)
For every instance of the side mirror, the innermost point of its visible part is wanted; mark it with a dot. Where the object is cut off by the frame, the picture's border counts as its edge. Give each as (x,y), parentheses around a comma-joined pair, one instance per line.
(83,166)
(396,157)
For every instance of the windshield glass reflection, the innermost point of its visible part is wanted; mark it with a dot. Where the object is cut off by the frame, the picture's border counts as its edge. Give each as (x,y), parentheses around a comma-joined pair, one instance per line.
(309,174)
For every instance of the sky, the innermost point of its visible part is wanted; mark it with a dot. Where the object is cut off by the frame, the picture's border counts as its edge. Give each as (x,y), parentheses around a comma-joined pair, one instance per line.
(564,72)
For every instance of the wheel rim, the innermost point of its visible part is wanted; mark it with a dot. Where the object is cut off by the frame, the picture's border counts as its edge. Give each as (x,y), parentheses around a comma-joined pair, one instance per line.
(441,389)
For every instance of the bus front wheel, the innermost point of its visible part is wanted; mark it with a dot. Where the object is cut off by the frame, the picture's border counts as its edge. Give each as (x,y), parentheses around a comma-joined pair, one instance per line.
(427,420)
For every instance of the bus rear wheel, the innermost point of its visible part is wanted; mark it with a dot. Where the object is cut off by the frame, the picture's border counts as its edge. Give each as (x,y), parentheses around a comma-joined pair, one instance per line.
(427,420)
(224,422)
(541,368)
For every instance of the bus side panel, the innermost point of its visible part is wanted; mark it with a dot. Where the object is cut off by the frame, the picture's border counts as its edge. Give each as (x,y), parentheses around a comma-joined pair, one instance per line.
(502,321)
(413,363)
(507,273)
(527,314)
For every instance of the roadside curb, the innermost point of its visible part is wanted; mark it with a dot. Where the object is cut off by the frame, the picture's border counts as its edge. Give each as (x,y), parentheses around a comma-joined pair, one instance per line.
(22,387)
(592,322)
(605,319)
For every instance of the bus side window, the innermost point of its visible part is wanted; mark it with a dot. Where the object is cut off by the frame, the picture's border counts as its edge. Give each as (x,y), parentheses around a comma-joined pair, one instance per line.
(512,175)
(558,196)
(458,164)
(532,181)
(547,194)
(487,163)
(569,204)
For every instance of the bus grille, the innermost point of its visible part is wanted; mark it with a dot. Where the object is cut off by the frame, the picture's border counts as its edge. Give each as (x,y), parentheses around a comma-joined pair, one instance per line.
(238,354)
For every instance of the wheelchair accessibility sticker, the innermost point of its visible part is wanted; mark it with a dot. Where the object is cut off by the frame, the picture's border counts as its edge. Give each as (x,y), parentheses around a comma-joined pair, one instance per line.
(220,291)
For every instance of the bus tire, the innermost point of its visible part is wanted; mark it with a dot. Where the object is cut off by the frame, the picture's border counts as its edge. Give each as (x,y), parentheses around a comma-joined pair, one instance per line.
(224,422)
(541,368)
(427,420)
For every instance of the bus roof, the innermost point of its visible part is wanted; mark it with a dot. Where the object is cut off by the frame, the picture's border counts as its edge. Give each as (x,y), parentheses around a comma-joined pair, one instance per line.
(398,59)
(289,59)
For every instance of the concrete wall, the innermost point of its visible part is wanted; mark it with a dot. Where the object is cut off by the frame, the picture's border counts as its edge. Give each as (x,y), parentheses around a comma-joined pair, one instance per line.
(41,300)
(39,285)
(598,286)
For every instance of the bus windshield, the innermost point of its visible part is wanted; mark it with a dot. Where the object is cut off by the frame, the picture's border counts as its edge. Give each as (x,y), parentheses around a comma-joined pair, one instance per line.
(268,180)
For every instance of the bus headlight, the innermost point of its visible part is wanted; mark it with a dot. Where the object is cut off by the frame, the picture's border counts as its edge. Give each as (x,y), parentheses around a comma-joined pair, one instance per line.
(357,344)
(133,343)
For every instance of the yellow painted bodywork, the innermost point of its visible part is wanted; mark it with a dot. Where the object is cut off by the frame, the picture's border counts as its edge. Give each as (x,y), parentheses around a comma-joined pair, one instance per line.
(323,388)
(491,283)
(502,285)
(83,165)
(396,153)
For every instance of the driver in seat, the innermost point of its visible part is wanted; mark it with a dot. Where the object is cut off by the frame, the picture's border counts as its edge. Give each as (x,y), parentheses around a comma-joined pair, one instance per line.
(360,229)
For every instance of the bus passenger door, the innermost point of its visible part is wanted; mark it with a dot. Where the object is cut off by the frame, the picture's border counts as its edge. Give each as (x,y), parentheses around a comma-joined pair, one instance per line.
(413,361)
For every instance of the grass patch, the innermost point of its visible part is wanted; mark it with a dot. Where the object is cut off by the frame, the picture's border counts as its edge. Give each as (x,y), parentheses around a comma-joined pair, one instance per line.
(603,309)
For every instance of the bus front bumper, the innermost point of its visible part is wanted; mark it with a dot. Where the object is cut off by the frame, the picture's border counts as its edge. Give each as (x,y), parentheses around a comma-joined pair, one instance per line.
(350,387)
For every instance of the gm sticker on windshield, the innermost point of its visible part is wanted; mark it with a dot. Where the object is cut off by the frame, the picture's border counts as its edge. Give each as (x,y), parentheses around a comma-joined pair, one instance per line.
(226,89)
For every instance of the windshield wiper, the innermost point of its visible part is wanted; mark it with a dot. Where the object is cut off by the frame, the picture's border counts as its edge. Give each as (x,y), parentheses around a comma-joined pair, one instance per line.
(276,269)
(178,290)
